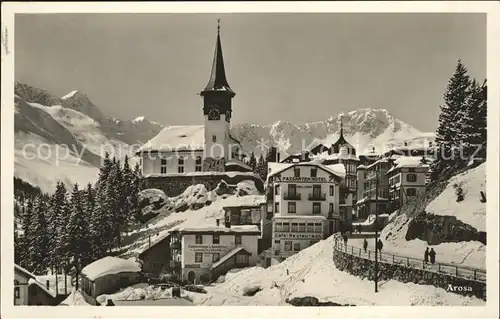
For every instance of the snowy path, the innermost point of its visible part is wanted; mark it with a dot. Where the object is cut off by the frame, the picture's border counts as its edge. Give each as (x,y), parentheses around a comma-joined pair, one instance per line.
(389,255)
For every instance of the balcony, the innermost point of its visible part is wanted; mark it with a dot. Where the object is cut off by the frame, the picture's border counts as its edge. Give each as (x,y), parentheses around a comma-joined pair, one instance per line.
(175,264)
(317,197)
(175,245)
(292,196)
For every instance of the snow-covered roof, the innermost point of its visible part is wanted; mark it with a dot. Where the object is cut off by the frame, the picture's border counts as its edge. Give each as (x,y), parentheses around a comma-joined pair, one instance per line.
(24,271)
(243,201)
(222,229)
(361,167)
(335,156)
(382,160)
(335,169)
(373,198)
(175,138)
(110,265)
(407,161)
(227,256)
(319,217)
(235,162)
(32,281)
(229,174)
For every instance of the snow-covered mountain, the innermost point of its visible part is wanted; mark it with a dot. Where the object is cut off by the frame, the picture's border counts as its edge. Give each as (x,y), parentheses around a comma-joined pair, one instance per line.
(363,128)
(44,118)
(64,139)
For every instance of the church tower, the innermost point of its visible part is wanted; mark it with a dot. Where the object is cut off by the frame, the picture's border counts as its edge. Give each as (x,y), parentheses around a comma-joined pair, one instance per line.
(217,99)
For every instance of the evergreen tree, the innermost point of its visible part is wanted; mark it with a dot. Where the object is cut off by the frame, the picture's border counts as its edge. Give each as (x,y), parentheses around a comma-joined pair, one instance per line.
(473,124)
(448,131)
(261,168)
(104,171)
(88,202)
(78,239)
(38,248)
(252,162)
(56,221)
(24,240)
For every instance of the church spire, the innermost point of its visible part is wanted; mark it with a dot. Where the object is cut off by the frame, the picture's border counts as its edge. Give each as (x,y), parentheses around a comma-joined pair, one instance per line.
(218,80)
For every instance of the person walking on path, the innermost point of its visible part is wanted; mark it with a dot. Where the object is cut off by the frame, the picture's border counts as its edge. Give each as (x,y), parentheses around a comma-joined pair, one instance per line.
(365,244)
(426,256)
(379,245)
(432,255)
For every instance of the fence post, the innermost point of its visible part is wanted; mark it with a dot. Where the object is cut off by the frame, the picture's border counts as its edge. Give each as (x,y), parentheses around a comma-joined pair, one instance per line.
(393,259)
(408,261)
(368,255)
(439,267)
(456,271)
(474,274)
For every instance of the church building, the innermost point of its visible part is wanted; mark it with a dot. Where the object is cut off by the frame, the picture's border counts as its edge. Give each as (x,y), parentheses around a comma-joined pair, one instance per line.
(199,148)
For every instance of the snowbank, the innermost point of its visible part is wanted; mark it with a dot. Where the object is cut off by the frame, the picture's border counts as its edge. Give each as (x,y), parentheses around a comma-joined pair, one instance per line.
(468,254)
(75,299)
(246,188)
(110,265)
(309,270)
(471,210)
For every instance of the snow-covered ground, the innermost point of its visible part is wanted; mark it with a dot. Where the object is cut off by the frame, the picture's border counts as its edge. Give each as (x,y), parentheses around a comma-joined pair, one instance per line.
(471,210)
(191,218)
(75,299)
(468,254)
(313,273)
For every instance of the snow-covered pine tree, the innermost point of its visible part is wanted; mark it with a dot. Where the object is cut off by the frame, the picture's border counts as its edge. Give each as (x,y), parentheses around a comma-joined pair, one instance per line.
(470,135)
(448,131)
(127,180)
(116,181)
(27,219)
(261,168)
(56,222)
(38,248)
(89,202)
(252,162)
(77,240)
(104,171)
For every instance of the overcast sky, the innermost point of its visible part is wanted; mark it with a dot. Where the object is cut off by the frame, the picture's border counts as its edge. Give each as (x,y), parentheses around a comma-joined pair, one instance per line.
(292,67)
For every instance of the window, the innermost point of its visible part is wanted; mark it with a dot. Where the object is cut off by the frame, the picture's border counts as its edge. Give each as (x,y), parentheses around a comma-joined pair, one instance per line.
(314,172)
(411,170)
(292,190)
(331,208)
(198,257)
(216,239)
(199,240)
(163,166)
(318,227)
(316,208)
(180,162)
(317,191)
(411,178)
(277,190)
(197,167)
(242,259)
(215,257)
(286,227)
(296,172)
(288,245)
(411,192)
(214,138)
(302,227)
(277,242)
(296,246)
(277,208)
(332,190)
(292,207)
(295,227)
(237,240)
(16,293)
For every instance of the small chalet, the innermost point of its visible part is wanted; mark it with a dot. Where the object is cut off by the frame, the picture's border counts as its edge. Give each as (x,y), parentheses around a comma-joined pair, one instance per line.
(29,291)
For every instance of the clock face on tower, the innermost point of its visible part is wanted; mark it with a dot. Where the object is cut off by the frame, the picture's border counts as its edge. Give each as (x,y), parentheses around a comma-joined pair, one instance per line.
(213,113)
(228,115)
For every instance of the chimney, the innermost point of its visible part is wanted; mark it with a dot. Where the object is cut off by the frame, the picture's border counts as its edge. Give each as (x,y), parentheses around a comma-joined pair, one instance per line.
(47,283)
(217,222)
(277,157)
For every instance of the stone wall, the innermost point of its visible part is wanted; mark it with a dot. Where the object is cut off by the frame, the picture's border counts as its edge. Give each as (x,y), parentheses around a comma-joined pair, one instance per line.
(174,185)
(365,268)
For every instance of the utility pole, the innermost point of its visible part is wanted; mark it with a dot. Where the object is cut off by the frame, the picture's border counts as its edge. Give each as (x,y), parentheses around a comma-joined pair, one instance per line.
(376,226)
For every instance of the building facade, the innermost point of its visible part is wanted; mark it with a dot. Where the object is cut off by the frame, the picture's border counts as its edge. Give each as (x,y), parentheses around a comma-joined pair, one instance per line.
(304,201)
(372,202)
(407,179)
(28,291)
(203,254)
